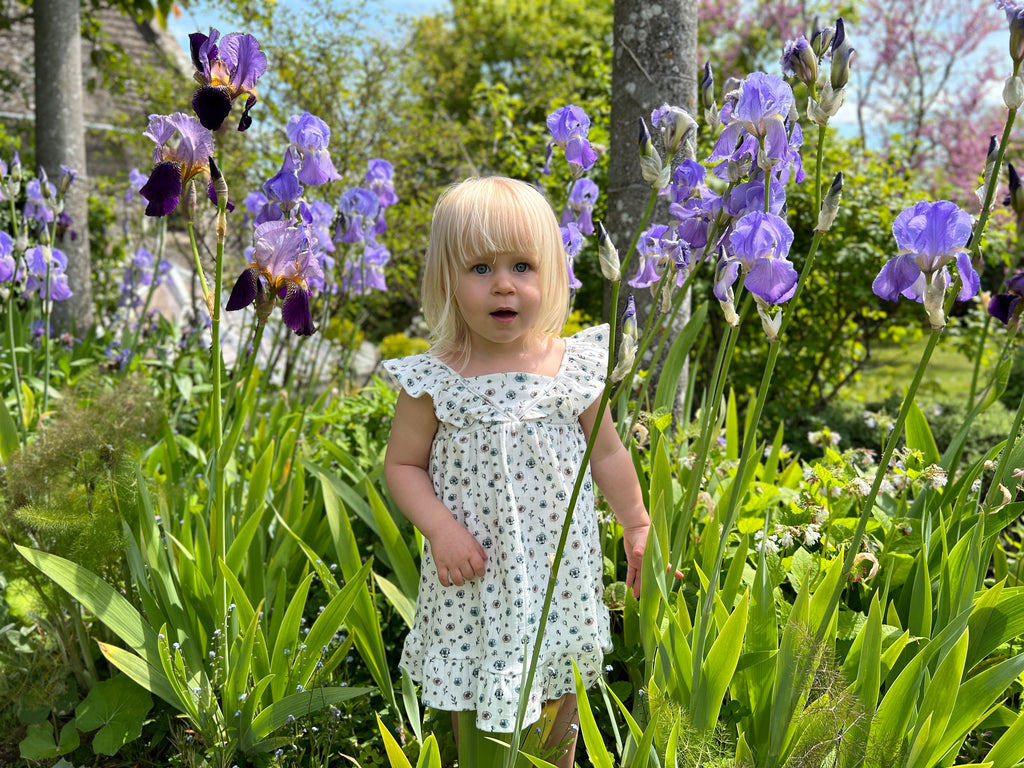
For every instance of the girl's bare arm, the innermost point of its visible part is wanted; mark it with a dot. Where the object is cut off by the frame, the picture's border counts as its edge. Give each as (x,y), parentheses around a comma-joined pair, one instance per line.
(459,557)
(615,475)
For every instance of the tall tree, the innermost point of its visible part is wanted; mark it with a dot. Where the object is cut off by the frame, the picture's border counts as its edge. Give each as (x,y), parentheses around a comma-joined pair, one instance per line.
(60,140)
(654,62)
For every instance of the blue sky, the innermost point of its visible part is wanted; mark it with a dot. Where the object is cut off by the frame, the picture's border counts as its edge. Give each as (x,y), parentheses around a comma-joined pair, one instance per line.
(197,20)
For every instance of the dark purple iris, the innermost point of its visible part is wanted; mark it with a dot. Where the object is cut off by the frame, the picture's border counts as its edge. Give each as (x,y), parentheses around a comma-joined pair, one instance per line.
(1005,306)
(176,163)
(225,71)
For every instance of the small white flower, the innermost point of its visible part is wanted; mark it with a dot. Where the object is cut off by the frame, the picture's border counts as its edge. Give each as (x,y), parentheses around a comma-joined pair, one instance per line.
(811,534)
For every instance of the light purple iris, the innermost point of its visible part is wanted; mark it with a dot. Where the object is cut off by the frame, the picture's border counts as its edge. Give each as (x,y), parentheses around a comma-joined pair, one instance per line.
(759,109)
(37,207)
(569,127)
(1014,10)
(929,235)
(177,162)
(282,191)
(1004,306)
(308,137)
(687,180)
(365,272)
(37,260)
(358,210)
(281,257)
(694,225)
(8,268)
(225,71)
(800,61)
(136,181)
(759,245)
(659,248)
(579,208)
(379,180)
(572,242)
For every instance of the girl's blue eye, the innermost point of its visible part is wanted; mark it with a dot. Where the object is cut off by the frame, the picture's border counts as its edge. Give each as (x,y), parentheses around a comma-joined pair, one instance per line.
(481,269)
(522,266)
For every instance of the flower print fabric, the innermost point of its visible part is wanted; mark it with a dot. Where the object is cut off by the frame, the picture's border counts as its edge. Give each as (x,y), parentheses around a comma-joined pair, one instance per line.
(504,461)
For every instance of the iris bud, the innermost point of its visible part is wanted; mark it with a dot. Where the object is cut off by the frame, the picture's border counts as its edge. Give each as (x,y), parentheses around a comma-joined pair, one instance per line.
(608,254)
(830,205)
(651,166)
(821,39)
(841,53)
(1013,92)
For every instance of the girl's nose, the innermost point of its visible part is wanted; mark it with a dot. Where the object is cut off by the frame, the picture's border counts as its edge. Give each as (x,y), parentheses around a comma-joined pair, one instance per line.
(503,282)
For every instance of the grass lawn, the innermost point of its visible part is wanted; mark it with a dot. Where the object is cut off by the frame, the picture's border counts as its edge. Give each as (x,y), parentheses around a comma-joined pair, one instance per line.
(891,369)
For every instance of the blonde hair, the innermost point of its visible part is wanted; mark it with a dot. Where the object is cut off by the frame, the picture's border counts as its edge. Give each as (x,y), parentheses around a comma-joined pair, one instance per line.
(482,217)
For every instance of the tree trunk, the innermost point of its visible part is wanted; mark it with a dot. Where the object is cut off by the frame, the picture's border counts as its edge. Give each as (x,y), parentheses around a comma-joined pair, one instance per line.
(60,139)
(654,62)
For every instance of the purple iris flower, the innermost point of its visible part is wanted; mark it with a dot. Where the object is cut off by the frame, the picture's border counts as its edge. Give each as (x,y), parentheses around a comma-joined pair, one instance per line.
(694,225)
(687,180)
(282,191)
(176,163)
(569,127)
(8,268)
(37,259)
(572,242)
(358,210)
(37,207)
(659,248)
(308,137)
(319,216)
(929,235)
(225,71)
(760,108)
(379,180)
(282,258)
(579,208)
(254,203)
(800,61)
(1004,306)
(136,181)
(1014,10)
(759,245)
(365,272)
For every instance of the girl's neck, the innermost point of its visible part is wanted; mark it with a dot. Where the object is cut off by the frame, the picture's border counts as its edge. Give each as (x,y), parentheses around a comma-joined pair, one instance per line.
(542,356)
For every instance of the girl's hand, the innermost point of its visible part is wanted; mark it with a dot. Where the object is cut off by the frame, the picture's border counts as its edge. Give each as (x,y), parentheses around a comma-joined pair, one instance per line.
(634,540)
(458,556)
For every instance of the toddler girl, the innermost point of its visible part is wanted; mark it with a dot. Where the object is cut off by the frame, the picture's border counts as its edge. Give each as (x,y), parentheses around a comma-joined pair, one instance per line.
(489,434)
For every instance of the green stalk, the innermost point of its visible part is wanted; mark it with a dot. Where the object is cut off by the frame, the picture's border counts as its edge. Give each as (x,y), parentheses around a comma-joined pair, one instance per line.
(977,358)
(160,238)
(577,486)
(14,370)
(46,343)
(883,465)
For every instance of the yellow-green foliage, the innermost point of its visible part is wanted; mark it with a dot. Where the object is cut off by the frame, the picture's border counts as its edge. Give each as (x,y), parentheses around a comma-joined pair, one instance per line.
(400,345)
(577,321)
(69,485)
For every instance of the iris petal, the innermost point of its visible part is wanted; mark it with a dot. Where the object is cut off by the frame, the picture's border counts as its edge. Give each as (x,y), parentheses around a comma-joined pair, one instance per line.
(1002,305)
(295,311)
(211,105)
(896,276)
(244,291)
(163,189)
(774,280)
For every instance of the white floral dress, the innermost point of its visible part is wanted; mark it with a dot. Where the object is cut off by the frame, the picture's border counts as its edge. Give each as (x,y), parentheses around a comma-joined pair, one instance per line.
(504,460)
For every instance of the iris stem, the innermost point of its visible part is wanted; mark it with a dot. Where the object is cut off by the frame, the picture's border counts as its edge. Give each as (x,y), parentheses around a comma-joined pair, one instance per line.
(880,472)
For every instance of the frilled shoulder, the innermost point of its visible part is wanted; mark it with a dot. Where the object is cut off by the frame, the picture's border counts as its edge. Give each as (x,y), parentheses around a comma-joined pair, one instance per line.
(419,374)
(586,364)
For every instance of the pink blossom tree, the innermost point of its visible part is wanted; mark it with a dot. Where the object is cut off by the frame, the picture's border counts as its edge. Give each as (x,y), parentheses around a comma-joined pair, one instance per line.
(926,74)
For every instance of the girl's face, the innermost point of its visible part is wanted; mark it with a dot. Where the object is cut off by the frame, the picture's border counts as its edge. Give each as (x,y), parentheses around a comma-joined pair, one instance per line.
(499,297)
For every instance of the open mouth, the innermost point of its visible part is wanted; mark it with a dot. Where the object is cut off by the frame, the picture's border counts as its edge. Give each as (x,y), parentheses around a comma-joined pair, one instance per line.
(505,315)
